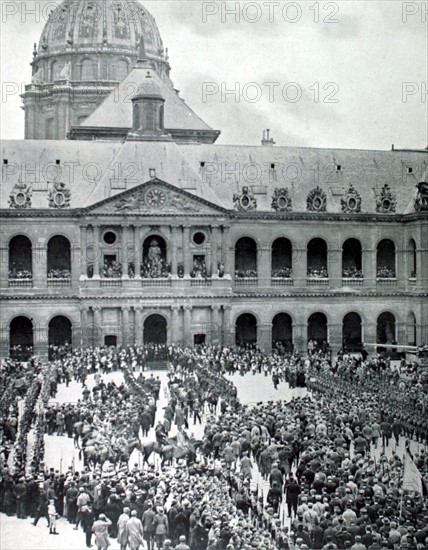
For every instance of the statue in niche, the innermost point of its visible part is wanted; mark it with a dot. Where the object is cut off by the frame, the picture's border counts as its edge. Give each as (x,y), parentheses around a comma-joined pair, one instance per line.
(155,253)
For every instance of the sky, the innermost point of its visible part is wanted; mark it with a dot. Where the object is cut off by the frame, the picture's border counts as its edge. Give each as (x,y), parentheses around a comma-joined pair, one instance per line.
(343,74)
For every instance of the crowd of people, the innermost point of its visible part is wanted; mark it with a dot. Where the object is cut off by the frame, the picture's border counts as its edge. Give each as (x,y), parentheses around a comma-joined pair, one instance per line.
(352,273)
(199,270)
(317,272)
(332,460)
(59,274)
(111,270)
(245,273)
(282,273)
(15,273)
(385,273)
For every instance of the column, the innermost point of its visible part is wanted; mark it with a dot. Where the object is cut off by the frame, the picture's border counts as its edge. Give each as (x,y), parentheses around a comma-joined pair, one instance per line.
(84,327)
(126,251)
(300,337)
(175,324)
(227,253)
(299,258)
(39,266)
(138,250)
(83,254)
(264,337)
(215,239)
(4,266)
(369,267)
(370,336)
(138,313)
(41,342)
(96,252)
(228,329)
(187,336)
(126,329)
(174,258)
(186,251)
(215,324)
(334,266)
(264,261)
(401,272)
(335,337)
(97,330)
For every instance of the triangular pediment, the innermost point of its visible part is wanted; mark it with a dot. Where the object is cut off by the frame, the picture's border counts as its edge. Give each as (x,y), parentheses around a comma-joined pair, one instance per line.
(155,198)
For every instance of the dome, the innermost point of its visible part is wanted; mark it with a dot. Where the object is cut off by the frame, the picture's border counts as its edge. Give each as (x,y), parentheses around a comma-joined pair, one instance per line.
(148,88)
(98,29)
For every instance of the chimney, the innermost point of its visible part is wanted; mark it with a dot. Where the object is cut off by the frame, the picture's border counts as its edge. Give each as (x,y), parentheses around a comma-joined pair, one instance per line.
(266,140)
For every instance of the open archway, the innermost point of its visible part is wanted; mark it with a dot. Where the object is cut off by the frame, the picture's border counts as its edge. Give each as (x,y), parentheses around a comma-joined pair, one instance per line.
(412,259)
(246,258)
(282,332)
(282,251)
(317,328)
(155,330)
(385,332)
(317,258)
(352,337)
(385,258)
(246,329)
(60,333)
(352,259)
(20,258)
(59,258)
(21,338)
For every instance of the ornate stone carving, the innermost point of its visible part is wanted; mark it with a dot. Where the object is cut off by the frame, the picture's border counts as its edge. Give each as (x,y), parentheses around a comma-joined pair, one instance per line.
(351,203)
(156,198)
(317,200)
(59,195)
(281,200)
(421,201)
(385,201)
(20,196)
(245,201)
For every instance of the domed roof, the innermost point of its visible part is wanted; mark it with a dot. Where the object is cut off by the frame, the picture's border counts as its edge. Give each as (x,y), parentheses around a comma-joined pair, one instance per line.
(100,25)
(148,88)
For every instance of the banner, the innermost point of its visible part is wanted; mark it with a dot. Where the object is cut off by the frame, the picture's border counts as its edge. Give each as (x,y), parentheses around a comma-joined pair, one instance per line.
(412,479)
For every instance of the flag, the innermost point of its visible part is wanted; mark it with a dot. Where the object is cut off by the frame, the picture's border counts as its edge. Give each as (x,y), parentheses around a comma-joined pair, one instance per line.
(412,479)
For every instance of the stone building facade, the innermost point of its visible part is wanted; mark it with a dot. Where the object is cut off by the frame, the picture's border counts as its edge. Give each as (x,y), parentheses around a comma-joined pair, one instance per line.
(157,234)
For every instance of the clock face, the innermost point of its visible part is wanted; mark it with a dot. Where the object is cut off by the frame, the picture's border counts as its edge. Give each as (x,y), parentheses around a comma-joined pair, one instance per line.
(155,198)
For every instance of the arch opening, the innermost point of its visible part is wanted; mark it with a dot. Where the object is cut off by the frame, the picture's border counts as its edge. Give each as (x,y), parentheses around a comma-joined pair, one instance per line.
(317,329)
(317,258)
(386,329)
(246,330)
(385,259)
(411,329)
(60,335)
(412,259)
(282,251)
(20,258)
(154,264)
(282,332)
(246,258)
(352,259)
(352,335)
(155,330)
(59,258)
(21,338)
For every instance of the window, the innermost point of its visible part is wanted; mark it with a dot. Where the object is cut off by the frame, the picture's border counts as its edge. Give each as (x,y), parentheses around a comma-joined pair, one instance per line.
(5,161)
(57,161)
(110,237)
(199,238)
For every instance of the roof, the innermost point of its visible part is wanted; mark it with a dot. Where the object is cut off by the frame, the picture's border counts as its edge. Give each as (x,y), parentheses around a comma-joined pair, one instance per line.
(116,109)
(96,170)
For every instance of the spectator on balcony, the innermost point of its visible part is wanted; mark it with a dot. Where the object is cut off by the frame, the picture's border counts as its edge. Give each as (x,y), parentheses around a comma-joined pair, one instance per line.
(245,273)
(385,273)
(59,274)
(15,273)
(112,270)
(318,273)
(199,270)
(352,273)
(282,273)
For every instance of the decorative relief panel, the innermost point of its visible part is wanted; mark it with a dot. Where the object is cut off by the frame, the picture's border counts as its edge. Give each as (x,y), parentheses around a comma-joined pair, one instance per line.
(20,196)
(244,201)
(351,203)
(385,201)
(59,196)
(281,200)
(317,200)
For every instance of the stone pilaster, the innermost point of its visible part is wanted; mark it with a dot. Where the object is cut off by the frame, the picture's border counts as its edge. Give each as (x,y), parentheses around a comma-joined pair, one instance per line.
(334,267)
(138,325)
(40,266)
(335,337)
(264,337)
(4,266)
(228,329)
(187,327)
(215,324)
(126,330)
(264,266)
(369,267)
(299,259)
(214,242)
(174,246)
(186,251)
(97,328)
(175,324)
